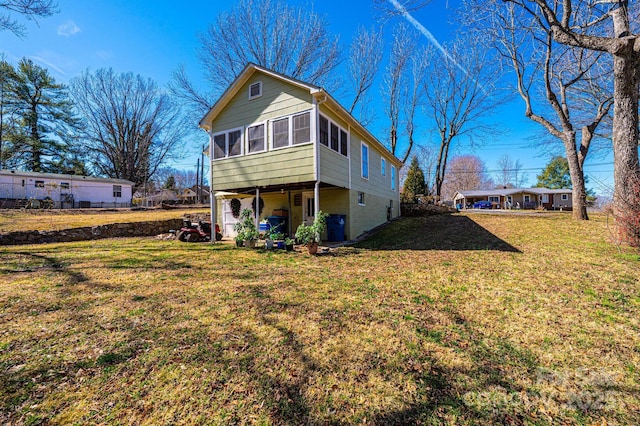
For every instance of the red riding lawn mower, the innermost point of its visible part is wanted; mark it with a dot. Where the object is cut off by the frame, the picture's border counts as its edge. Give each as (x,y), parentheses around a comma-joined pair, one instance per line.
(196,232)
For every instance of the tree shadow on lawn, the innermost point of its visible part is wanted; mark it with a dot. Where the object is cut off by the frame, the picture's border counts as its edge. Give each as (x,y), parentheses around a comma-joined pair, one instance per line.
(267,360)
(438,232)
(37,262)
(441,387)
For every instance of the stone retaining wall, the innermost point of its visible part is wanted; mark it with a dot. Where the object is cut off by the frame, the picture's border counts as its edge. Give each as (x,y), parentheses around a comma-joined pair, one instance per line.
(136,229)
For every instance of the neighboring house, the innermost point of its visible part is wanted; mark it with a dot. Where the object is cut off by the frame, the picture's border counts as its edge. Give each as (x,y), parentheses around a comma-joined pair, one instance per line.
(161,196)
(512,198)
(293,145)
(63,191)
(190,195)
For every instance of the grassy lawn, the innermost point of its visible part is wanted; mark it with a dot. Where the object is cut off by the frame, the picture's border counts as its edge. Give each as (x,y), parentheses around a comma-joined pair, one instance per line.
(53,220)
(461,319)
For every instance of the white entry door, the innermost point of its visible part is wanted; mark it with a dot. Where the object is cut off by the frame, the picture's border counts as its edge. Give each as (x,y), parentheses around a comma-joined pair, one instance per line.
(308,208)
(227,216)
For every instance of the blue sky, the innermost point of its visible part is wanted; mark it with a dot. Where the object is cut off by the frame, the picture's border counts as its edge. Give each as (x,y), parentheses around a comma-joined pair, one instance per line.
(153,38)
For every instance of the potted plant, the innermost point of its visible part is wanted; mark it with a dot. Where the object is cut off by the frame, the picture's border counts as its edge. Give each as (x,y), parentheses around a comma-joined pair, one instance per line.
(268,240)
(250,237)
(239,239)
(309,235)
(246,229)
(288,243)
(278,239)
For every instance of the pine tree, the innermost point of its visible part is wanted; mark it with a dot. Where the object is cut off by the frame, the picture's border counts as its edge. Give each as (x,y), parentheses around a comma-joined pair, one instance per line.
(414,184)
(555,175)
(7,101)
(45,119)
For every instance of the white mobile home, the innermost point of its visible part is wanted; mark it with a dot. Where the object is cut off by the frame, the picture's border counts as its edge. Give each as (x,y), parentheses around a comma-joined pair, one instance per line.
(63,191)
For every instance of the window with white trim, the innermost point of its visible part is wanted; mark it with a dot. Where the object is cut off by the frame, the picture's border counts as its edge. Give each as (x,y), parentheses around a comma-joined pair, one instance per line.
(527,198)
(280,129)
(564,197)
(117,191)
(302,128)
(494,199)
(361,198)
(364,154)
(64,185)
(291,130)
(39,184)
(383,166)
(393,178)
(333,136)
(255,90)
(343,142)
(324,131)
(227,144)
(255,136)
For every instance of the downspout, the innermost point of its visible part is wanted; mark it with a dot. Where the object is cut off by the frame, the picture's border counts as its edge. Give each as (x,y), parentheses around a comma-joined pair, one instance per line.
(212,192)
(316,154)
(256,213)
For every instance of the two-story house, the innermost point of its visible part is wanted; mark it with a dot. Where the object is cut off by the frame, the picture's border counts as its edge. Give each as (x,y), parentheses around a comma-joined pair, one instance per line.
(292,145)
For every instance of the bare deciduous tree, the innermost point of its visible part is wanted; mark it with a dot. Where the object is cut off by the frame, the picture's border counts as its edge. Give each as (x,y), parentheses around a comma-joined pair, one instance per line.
(466,172)
(290,40)
(30,9)
(509,171)
(602,26)
(364,62)
(182,178)
(459,92)
(131,127)
(504,174)
(564,88)
(403,87)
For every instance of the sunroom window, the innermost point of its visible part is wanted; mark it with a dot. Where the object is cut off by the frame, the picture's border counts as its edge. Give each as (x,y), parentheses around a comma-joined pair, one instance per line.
(227,144)
(256,138)
(302,128)
(333,136)
(281,132)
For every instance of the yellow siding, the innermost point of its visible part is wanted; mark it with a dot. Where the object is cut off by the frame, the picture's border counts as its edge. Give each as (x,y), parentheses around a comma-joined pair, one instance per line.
(289,165)
(278,99)
(334,167)
(367,217)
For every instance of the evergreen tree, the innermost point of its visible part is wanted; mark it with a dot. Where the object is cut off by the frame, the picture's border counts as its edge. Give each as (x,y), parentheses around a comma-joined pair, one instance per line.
(414,184)
(7,102)
(45,119)
(555,175)
(170,183)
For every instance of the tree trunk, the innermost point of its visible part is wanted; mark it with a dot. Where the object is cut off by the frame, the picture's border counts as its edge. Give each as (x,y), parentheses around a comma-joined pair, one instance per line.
(625,127)
(579,191)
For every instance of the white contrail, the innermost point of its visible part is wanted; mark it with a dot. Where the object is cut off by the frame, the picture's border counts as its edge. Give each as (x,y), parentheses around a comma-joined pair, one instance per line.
(425,32)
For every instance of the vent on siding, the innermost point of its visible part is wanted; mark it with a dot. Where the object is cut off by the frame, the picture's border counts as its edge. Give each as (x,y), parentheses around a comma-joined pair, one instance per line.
(255,90)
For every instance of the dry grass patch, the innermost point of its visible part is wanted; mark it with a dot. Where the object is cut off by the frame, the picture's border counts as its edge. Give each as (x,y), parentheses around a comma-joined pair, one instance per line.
(478,320)
(55,220)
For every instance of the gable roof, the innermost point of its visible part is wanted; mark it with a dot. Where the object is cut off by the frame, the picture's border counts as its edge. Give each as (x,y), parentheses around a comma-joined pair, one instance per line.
(317,92)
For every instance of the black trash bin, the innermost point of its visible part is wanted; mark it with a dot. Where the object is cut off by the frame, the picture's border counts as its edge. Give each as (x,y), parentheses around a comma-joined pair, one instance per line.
(335,227)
